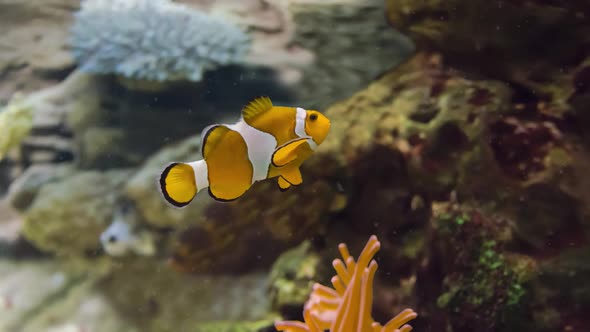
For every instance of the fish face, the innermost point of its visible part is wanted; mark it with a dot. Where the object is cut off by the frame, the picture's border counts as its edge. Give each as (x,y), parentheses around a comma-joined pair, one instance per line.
(317,126)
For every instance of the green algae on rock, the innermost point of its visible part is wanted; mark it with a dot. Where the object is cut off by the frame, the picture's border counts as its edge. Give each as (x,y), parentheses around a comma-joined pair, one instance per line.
(484,287)
(16,121)
(292,276)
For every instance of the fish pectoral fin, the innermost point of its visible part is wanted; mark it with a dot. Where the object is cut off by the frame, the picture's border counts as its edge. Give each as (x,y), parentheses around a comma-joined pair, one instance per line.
(283,184)
(177,183)
(287,152)
(292,175)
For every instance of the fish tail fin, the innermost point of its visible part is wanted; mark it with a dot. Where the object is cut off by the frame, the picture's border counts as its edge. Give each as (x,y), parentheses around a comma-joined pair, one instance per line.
(178,182)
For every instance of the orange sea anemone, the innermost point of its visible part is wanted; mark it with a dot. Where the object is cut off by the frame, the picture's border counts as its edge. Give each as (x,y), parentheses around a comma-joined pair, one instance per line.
(347,307)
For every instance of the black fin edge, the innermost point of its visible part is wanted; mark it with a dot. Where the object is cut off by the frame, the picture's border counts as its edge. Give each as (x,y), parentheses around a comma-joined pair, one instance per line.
(285,189)
(272,157)
(292,184)
(162,183)
(221,199)
(204,139)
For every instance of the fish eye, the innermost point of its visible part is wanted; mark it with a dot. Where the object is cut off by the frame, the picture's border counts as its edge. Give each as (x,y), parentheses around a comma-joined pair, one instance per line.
(313,117)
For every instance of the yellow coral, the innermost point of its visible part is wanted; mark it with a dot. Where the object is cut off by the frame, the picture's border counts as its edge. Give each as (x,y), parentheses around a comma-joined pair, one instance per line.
(347,307)
(16,121)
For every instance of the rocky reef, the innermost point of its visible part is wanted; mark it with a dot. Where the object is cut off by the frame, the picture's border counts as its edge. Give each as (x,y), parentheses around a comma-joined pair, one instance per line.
(467,160)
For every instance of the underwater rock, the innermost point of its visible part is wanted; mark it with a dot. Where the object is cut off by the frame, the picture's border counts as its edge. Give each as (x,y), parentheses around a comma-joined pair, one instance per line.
(36,35)
(324,50)
(87,121)
(347,56)
(104,147)
(508,40)
(292,276)
(26,287)
(67,217)
(562,279)
(79,308)
(164,300)
(425,132)
(10,228)
(34,44)
(404,137)
(479,27)
(43,296)
(250,233)
(471,276)
(431,131)
(58,112)
(24,189)
(153,40)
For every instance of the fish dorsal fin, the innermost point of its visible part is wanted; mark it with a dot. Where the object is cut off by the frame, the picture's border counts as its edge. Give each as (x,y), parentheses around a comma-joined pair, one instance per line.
(256,107)
(287,152)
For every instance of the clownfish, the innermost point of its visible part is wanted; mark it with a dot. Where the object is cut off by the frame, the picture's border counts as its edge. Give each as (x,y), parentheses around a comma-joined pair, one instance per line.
(267,142)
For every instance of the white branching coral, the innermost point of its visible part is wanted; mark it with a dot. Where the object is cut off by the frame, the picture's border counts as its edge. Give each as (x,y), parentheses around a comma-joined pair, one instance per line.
(153,40)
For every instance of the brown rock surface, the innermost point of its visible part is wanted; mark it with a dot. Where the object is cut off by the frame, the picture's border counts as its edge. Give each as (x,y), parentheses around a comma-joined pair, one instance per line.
(33,43)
